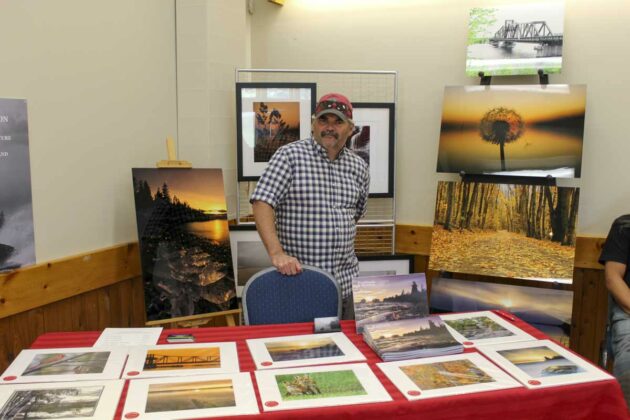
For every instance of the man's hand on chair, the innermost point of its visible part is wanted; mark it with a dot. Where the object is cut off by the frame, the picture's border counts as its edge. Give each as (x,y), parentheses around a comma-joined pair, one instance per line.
(286,264)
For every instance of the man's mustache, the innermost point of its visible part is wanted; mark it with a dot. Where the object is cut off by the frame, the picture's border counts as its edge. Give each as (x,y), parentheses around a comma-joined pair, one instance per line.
(329,133)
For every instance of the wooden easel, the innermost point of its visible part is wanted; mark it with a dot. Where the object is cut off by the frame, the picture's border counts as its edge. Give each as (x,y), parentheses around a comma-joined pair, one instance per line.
(191,321)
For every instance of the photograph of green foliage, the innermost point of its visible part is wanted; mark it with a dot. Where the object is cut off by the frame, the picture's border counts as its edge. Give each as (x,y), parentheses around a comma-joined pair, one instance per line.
(476,328)
(184,242)
(523,130)
(515,39)
(505,230)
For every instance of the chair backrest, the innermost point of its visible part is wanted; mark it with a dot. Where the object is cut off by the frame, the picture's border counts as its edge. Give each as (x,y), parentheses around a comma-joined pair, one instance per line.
(270,297)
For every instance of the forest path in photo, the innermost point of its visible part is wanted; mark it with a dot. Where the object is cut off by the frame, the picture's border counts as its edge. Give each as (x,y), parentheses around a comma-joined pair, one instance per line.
(500,253)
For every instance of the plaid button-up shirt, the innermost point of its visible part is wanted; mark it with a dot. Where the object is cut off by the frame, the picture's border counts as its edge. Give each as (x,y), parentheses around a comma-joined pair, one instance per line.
(317,202)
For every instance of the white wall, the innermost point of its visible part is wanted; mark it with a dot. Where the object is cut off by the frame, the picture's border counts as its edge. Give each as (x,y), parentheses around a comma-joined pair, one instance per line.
(99,77)
(212,41)
(425,41)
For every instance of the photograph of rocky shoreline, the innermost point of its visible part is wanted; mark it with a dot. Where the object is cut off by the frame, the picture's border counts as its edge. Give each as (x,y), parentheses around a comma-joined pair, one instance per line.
(184,242)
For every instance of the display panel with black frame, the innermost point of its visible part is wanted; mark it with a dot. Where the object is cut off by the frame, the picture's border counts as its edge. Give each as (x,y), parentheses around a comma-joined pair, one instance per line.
(268,116)
(373,140)
(249,255)
(385,265)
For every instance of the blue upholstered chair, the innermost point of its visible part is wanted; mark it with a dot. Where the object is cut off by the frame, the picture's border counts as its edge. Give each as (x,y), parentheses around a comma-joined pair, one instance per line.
(270,297)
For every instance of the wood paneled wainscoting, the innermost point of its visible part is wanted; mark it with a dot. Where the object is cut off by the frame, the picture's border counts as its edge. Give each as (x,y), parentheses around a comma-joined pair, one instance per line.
(590,297)
(104,288)
(87,292)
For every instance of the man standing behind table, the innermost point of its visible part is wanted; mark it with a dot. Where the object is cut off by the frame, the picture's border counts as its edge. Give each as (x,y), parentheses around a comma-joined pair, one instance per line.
(616,259)
(310,196)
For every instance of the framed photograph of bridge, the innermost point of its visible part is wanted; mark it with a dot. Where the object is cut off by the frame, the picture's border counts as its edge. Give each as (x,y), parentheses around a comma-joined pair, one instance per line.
(181,359)
(373,140)
(270,115)
(515,39)
(505,230)
(519,130)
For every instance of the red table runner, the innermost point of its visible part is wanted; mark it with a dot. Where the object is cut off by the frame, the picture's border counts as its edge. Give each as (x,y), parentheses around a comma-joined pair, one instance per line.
(593,400)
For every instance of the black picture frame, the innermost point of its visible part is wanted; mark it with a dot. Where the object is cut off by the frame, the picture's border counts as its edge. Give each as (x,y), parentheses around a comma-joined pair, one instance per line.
(253,150)
(372,261)
(381,120)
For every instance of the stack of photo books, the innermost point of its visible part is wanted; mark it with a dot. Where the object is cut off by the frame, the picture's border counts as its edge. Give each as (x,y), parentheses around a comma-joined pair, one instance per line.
(411,338)
(389,298)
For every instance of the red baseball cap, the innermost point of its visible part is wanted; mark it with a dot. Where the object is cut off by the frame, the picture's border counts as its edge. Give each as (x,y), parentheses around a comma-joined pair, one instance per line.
(334,103)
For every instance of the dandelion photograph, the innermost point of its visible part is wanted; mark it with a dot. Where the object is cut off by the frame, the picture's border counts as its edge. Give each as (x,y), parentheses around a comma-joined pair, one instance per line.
(314,385)
(505,230)
(515,39)
(182,358)
(524,130)
(277,124)
(184,241)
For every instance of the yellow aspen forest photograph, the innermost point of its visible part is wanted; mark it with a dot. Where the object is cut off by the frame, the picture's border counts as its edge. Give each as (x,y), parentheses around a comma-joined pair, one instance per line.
(505,230)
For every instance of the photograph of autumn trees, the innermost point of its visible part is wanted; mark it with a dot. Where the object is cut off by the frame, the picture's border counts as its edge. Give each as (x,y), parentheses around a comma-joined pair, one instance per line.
(277,124)
(513,130)
(184,242)
(504,230)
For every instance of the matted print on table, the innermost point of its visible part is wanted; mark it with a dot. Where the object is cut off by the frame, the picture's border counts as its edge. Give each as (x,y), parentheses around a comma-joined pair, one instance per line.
(303,350)
(84,400)
(547,310)
(66,364)
(373,140)
(249,255)
(181,360)
(515,39)
(191,397)
(522,130)
(542,363)
(268,116)
(483,327)
(319,386)
(505,230)
(385,265)
(442,376)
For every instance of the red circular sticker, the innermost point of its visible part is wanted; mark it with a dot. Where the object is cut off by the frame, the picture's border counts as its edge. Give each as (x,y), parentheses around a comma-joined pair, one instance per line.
(271,403)
(133,373)
(132,415)
(414,393)
(267,363)
(533,382)
(468,343)
(9,378)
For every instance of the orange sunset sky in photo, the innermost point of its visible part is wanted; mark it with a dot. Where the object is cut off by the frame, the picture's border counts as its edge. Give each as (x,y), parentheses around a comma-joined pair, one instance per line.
(201,188)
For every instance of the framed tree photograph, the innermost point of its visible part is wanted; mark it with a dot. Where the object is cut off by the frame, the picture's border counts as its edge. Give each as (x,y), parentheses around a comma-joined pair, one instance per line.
(268,116)
(78,400)
(373,140)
